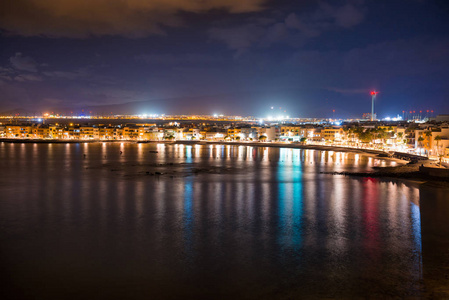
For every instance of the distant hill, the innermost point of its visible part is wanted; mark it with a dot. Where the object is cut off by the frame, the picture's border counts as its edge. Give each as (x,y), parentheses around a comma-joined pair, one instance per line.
(256,103)
(225,104)
(18,111)
(184,105)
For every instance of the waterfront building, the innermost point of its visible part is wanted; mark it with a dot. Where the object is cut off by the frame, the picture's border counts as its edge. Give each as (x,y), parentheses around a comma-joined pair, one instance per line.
(151,134)
(17,131)
(130,132)
(432,140)
(215,135)
(248,134)
(108,133)
(40,132)
(179,134)
(191,134)
(439,141)
(56,132)
(272,133)
(233,133)
(89,132)
(291,133)
(332,134)
(169,133)
(442,118)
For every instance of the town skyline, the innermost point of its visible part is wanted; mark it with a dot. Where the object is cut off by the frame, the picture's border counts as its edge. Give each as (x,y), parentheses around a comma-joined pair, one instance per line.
(420,137)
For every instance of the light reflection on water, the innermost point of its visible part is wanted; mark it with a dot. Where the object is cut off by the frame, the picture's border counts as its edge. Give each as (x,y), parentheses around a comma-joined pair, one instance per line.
(264,223)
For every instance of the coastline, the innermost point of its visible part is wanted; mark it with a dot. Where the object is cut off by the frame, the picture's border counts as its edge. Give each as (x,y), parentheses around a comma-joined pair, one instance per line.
(186,142)
(411,172)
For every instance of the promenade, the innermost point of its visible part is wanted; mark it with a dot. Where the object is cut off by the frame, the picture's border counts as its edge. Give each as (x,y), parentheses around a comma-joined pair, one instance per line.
(311,146)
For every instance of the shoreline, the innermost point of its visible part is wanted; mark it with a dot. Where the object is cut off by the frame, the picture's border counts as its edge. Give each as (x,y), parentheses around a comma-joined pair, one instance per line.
(186,142)
(409,172)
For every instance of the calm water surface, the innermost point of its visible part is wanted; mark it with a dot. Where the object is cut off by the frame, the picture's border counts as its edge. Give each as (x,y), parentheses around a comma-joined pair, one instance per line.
(87,221)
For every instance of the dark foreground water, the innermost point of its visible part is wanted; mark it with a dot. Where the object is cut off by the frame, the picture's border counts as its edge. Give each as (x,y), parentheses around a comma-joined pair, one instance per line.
(82,221)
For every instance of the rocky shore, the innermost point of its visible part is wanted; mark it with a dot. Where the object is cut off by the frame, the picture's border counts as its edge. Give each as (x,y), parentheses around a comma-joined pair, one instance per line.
(409,171)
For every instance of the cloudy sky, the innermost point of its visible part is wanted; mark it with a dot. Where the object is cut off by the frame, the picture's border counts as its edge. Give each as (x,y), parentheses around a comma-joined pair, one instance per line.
(225,56)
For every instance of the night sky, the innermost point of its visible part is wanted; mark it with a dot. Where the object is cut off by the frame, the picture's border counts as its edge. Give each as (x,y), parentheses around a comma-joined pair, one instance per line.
(233,57)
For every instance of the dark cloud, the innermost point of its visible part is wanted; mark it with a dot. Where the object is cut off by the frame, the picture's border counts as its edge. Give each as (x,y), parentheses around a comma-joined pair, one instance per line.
(6,74)
(52,101)
(181,59)
(326,17)
(20,69)
(379,62)
(309,24)
(83,18)
(88,75)
(348,16)
(71,75)
(348,91)
(275,33)
(307,29)
(23,63)
(27,77)
(406,57)
(112,95)
(238,38)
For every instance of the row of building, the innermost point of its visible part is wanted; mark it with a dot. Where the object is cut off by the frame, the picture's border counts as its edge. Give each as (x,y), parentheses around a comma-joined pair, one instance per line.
(148,132)
(425,138)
